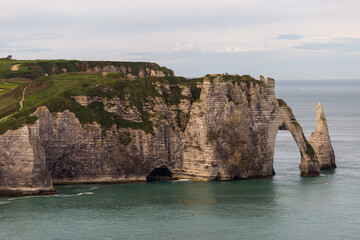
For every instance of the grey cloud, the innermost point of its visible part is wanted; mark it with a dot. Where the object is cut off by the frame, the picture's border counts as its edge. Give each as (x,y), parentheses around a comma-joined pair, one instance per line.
(88,30)
(344,44)
(289,37)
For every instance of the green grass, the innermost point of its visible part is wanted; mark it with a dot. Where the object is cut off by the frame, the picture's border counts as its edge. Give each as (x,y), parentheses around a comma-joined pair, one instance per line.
(174,97)
(17,121)
(281,102)
(32,69)
(236,78)
(309,149)
(195,92)
(6,86)
(115,75)
(125,138)
(9,102)
(56,90)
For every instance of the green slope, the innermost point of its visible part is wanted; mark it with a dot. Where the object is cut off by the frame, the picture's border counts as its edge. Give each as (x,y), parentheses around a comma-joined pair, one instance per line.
(56,90)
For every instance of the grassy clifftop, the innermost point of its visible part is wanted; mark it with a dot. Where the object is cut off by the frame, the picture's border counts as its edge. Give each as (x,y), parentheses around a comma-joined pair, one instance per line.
(32,69)
(55,92)
(39,83)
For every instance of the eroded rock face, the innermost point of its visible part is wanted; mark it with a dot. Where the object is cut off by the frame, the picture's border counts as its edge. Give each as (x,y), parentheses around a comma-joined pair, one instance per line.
(232,129)
(227,133)
(23,169)
(320,140)
(129,73)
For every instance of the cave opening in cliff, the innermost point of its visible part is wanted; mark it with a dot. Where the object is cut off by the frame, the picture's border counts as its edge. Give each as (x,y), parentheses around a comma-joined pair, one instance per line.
(160,174)
(286,155)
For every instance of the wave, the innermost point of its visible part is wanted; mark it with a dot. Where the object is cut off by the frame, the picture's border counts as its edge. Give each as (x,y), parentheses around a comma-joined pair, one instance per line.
(182,180)
(26,197)
(9,200)
(73,195)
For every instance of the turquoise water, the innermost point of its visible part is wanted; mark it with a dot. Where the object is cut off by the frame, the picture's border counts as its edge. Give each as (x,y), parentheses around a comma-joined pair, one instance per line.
(285,207)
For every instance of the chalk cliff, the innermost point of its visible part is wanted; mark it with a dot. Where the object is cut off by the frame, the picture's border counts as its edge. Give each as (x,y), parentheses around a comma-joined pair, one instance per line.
(22,163)
(217,128)
(31,69)
(320,140)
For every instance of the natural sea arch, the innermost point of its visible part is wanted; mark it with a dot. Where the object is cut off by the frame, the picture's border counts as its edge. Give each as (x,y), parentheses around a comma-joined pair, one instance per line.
(286,154)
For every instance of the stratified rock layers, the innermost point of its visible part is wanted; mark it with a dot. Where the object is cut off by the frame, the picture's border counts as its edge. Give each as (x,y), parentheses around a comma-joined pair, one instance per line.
(320,140)
(227,133)
(22,163)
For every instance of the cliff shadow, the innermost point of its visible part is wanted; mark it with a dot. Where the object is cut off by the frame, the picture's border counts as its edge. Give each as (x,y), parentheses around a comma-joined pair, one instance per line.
(160,174)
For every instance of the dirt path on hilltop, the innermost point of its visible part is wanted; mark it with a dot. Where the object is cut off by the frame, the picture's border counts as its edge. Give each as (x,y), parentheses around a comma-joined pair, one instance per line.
(22,99)
(21,106)
(15,67)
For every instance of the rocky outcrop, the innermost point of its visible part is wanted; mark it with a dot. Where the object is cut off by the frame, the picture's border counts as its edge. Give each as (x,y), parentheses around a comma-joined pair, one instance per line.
(232,129)
(219,129)
(127,71)
(23,169)
(35,69)
(309,161)
(320,140)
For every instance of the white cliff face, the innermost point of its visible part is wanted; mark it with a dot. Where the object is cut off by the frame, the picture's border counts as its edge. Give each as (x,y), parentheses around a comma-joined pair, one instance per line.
(320,140)
(232,129)
(23,169)
(129,73)
(309,161)
(226,133)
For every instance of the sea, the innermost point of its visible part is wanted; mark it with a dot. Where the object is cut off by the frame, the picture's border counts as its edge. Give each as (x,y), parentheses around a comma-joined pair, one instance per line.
(284,207)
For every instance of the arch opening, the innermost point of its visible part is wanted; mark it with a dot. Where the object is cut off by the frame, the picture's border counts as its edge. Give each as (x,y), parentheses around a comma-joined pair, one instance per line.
(160,174)
(286,154)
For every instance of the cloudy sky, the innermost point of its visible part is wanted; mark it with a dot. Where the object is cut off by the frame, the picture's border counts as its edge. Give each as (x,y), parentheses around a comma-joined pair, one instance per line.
(284,39)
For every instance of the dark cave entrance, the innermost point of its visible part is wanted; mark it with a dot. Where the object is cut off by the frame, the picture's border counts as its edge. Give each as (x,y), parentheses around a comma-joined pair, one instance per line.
(160,174)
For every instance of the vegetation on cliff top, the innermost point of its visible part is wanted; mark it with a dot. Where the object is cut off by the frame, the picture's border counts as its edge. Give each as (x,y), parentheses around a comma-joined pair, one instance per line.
(55,92)
(48,85)
(235,78)
(32,69)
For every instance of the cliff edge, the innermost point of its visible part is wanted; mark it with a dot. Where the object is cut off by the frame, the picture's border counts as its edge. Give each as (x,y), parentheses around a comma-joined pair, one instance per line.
(96,129)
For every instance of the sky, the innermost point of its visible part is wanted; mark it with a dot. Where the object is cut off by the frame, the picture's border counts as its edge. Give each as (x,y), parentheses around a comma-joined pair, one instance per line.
(283,39)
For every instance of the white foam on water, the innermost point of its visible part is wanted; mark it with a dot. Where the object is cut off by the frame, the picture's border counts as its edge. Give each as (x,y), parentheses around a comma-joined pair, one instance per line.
(84,193)
(182,180)
(26,197)
(73,195)
(47,196)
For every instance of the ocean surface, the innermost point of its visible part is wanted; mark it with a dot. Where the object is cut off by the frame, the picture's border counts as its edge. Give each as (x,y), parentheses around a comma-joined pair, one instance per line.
(285,207)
